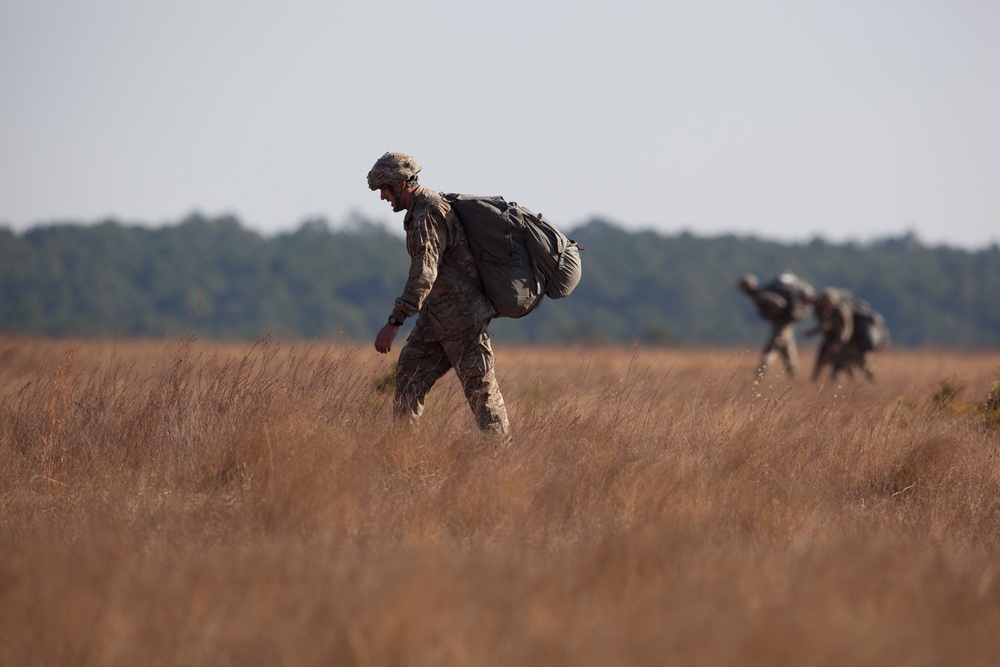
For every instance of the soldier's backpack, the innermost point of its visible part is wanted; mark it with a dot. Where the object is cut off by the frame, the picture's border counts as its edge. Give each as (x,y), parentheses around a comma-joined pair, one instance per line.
(870,330)
(787,300)
(521,256)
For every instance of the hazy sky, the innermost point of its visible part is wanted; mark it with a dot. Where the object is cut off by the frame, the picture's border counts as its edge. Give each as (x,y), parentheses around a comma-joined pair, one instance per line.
(784,119)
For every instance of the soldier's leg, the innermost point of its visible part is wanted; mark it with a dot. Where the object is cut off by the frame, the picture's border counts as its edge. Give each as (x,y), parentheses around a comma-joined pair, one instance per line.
(822,358)
(829,354)
(856,356)
(793,355)
(472,357)
(842,362)
(785,344)
(866,367)
(766,361)
(769,352)
(421,363)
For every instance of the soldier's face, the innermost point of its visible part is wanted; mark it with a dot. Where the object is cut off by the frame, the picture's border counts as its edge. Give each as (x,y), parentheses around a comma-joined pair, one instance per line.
(393,197)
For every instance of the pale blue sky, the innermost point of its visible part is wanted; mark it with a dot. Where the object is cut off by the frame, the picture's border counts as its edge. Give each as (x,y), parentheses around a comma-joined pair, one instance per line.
(848,119)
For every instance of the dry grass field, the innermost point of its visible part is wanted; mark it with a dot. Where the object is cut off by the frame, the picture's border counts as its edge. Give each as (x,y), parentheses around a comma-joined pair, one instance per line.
(191,503)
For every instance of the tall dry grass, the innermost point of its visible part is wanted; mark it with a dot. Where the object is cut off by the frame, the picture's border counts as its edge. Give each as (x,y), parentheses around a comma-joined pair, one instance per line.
(187,503)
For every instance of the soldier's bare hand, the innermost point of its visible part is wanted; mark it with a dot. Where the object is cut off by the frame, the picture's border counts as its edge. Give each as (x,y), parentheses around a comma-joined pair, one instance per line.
(385,337)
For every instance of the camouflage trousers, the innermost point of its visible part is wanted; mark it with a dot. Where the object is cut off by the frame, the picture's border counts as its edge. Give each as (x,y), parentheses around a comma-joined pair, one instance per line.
(780,344)
(423,361)
(845,358)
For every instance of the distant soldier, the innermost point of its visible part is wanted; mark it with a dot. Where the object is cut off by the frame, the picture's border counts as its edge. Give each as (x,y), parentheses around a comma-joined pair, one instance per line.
(782,302)
(851,330)
(445,291)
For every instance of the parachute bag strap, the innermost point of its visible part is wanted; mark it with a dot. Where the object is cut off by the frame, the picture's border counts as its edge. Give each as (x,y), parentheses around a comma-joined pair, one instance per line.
(514,215)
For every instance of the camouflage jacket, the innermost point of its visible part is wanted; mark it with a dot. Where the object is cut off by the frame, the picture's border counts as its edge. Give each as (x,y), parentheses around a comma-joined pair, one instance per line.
(784,300)
(443,284)
(836,323)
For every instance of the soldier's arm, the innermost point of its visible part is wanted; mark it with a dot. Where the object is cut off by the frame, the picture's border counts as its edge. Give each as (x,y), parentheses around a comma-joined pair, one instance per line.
(427,239)
(822,325)
(847,326)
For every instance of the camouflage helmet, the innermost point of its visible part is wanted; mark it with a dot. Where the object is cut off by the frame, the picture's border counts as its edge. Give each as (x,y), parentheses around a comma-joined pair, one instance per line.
(392,169)
(829,297)
(748,283)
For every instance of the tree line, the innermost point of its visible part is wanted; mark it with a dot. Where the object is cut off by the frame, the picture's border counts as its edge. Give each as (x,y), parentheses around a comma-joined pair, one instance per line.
(216,279)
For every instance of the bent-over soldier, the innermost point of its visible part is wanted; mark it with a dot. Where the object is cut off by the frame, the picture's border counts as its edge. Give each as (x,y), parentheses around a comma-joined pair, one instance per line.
(781,303)
(851,330)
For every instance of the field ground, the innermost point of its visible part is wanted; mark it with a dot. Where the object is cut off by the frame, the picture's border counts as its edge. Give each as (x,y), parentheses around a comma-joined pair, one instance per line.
(182,502)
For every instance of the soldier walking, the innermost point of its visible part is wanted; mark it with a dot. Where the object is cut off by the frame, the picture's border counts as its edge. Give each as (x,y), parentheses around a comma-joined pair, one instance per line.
(781,303)
(851,330)
(444,290)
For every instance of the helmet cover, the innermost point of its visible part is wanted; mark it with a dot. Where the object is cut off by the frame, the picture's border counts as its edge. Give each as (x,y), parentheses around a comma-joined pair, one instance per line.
(392,169)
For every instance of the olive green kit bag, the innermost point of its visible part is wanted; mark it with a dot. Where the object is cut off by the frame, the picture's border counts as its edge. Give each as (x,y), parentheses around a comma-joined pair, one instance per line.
(521,256)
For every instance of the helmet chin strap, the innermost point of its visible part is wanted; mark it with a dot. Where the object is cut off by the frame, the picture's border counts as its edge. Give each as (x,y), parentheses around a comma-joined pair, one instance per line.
(397,205)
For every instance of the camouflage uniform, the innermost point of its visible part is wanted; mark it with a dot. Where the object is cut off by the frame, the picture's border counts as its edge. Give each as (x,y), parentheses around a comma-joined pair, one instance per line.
(775,309)
(444,290)
(840,347)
